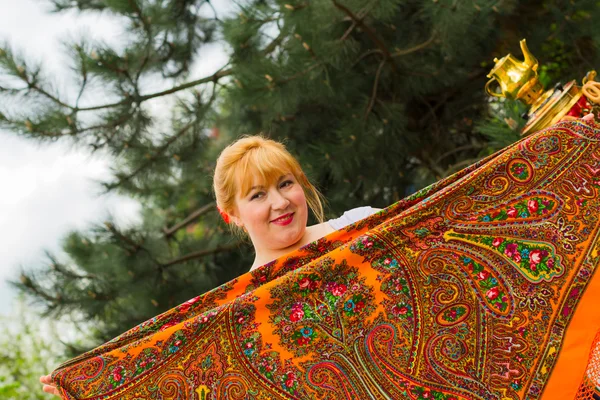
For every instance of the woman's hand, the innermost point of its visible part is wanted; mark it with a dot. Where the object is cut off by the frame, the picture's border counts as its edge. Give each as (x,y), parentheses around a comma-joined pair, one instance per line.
(49,385)
(589,117)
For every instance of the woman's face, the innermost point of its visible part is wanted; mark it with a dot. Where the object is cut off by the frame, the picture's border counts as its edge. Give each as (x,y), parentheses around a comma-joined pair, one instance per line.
(261,212)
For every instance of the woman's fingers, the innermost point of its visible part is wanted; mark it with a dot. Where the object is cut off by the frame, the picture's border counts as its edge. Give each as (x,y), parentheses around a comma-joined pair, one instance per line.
(49,385)
(589,117)
(50,389)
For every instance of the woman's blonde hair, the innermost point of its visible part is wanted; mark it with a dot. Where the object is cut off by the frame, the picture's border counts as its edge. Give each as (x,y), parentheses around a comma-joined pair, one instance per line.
(262,157)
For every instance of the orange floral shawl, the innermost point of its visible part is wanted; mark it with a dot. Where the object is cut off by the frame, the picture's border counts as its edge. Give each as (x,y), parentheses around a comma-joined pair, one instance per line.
(481,286)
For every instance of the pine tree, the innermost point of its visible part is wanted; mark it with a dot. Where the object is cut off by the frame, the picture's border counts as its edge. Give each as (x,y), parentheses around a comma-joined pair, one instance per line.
(376,98)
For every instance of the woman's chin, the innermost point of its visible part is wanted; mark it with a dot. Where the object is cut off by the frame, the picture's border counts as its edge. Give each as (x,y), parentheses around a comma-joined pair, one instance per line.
(290,239)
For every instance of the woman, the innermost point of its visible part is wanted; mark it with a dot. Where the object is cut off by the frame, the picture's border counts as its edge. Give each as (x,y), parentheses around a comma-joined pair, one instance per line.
(261,189)
(262,192)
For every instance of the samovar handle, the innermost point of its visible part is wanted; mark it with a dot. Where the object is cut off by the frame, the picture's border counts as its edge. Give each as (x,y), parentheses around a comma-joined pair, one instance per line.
(489,90)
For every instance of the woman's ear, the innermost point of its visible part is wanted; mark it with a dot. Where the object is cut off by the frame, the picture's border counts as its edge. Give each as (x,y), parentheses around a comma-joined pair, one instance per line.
(235,219)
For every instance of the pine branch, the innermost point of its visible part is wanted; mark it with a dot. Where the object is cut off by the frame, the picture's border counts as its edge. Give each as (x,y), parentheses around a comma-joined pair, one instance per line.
(201,253)
(27,283)
(135,247)
(366,54)
(369,31)
(189,219)
(273,45)
(65,271)
(213,9)
(152,158)
(212,78)
(162,149)
(361,15)
(418,47)
(140,16)
(33,86)
(375,85)
(221,73)
(293,77)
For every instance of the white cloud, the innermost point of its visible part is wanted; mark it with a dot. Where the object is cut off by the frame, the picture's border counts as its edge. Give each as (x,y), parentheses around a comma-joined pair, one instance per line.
(46,192)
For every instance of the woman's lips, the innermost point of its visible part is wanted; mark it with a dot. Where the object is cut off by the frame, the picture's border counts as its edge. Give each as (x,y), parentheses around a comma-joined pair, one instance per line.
(284,220)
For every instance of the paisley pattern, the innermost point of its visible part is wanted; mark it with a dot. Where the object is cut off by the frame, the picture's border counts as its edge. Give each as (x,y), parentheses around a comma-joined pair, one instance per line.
(464,290)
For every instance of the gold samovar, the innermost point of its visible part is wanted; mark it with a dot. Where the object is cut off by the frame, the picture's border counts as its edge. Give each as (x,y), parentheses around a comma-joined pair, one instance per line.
(519,80)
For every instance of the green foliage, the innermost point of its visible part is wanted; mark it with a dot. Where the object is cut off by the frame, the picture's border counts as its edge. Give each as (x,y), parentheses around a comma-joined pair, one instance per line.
(28,350)
(376,98)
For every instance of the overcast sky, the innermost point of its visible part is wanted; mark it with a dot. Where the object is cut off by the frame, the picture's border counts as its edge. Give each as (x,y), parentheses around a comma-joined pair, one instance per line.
(46,191)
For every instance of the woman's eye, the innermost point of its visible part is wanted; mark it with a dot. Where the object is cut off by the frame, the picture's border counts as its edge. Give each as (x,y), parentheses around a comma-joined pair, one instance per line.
(286,183)
(254,196)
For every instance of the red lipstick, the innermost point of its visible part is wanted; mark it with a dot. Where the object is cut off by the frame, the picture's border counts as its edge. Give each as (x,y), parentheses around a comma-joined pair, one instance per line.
(284,219)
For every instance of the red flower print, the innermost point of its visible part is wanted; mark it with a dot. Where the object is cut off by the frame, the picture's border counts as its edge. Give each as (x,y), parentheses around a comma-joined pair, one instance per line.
(359,306)
(511,249)
(193,301)
(168,324)
(297,315)
(492,293)
(483,275)
(339,289)
(304,283)
(519,170)
(186,306)
(550,263)
(302,341)
(532,206)
(512,212)
(291,379)
(497,242)
(116,374)
(533,267)
(517,257)
(399,310)
(535,257)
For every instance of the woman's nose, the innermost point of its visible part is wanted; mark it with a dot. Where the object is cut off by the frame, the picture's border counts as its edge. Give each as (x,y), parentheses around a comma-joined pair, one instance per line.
(279,201)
